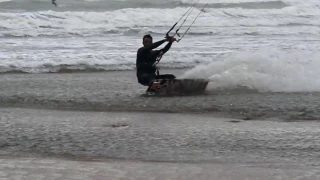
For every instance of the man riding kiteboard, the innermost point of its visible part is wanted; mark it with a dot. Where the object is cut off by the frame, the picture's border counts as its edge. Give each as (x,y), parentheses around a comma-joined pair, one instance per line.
(147,59)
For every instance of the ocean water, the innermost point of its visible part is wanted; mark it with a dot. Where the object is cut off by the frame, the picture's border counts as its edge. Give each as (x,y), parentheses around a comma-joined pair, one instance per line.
(260,46)
(37,36)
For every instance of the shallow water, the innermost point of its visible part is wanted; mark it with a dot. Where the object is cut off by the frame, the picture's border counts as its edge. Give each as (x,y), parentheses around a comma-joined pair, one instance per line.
(119,91)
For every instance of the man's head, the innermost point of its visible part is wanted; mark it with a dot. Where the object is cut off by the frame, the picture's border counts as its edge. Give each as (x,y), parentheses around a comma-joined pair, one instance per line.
(147,40)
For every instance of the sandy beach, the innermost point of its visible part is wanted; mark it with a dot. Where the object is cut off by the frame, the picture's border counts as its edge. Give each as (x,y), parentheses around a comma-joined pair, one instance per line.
(54,144)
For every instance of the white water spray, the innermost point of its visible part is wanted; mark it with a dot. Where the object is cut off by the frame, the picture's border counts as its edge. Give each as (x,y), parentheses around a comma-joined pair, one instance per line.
(264,70)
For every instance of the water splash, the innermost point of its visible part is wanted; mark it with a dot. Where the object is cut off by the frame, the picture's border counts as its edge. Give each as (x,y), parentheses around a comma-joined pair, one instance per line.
(263,70)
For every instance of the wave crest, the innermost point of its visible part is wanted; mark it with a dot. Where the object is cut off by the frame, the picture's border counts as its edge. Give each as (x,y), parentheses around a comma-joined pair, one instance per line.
(135,21)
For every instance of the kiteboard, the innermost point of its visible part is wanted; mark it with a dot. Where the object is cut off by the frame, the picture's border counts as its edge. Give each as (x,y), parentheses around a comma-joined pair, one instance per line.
(177,86)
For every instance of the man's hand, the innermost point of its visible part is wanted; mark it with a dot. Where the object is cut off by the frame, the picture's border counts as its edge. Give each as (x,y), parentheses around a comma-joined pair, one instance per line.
(171,39)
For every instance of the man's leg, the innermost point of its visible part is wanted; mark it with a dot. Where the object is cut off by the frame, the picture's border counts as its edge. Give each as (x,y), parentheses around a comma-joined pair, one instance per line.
(146,79)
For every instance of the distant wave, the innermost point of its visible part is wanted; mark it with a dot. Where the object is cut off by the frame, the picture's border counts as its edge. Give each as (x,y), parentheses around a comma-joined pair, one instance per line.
(115,5)
(249,5)
(245,5)
(141,31)
(135,21)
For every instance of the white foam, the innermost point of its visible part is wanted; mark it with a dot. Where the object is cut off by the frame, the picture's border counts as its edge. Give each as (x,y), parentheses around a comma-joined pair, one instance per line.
(141,20)
(264,70)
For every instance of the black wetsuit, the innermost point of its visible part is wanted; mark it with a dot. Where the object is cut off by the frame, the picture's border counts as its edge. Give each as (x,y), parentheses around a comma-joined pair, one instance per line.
(146,57)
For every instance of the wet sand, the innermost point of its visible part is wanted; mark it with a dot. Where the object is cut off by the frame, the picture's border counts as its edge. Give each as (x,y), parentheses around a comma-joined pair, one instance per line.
(52,144)
(53,169)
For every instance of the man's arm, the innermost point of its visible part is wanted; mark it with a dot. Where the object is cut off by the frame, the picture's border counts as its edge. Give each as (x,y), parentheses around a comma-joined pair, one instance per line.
(166,48)
(171,39)
(153,46)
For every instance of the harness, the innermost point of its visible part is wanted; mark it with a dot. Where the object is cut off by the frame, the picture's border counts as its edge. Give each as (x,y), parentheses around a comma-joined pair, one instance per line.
(157,61)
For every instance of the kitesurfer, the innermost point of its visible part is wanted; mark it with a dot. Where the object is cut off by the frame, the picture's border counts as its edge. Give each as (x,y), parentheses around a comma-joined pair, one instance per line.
(147,58)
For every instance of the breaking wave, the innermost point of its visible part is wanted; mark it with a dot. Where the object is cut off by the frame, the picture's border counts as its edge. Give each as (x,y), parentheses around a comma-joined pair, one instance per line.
(138,20)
